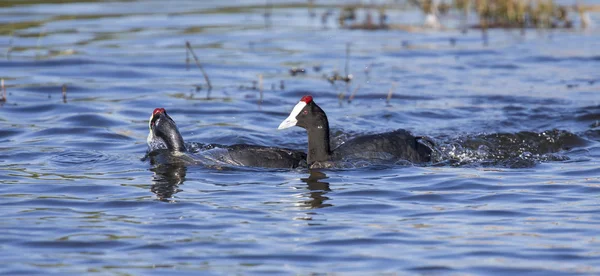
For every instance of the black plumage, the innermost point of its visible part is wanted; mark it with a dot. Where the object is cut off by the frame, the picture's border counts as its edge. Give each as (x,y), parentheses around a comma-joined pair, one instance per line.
(395,145)
(164,135)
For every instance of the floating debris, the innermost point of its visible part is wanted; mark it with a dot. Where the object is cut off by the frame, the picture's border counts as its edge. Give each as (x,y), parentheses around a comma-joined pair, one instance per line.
(3,98)
(337,77)
(325,17)
(295,71)
(572,85)
(348,13)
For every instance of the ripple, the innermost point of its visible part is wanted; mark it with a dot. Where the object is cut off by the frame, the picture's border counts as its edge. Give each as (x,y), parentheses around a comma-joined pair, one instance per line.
(514,191)
(7,133)
(431,269)
(90,120)
(365,208)
(372,193)
(70,245)
(537,59)
(362,242)
(425,198)
(81,158)
(593,172)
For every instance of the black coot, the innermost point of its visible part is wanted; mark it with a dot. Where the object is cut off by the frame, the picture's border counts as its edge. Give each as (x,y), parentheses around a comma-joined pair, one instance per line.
(165,135)
(395,145)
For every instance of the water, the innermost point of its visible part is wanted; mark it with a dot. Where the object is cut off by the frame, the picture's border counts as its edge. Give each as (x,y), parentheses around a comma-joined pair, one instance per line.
(515,189)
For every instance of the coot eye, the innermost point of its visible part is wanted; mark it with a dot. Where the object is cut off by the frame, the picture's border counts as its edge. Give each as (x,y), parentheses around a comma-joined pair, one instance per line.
(304,112)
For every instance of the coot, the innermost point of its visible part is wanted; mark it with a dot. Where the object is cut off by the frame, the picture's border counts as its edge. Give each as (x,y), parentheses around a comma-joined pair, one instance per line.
(395,145)
(165,135)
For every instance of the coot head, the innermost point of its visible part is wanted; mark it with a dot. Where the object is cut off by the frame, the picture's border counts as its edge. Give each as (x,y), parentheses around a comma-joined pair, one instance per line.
(399,144)
(164,133)
(306,114)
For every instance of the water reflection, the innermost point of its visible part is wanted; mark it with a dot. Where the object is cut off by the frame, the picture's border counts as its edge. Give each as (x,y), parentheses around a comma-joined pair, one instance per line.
(166,180)
(318,189)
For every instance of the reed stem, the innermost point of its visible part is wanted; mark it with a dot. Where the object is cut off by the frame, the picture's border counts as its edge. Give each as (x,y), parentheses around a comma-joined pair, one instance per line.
(189,47)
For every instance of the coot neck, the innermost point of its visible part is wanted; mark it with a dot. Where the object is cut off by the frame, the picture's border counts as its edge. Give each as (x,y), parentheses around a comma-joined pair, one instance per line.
(175,142)
(318,140)
(167,130)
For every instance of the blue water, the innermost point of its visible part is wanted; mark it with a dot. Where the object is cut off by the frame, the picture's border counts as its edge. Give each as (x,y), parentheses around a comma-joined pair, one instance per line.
(515,187)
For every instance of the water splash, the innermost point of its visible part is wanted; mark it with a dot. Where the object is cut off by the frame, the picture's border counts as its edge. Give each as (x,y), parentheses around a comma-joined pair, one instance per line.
(514,150)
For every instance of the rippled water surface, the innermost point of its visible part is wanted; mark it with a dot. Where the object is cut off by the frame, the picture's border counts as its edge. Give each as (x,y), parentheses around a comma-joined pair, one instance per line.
(515,187)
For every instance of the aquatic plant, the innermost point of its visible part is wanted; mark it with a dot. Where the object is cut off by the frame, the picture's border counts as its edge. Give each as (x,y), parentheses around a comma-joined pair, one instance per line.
(542,14)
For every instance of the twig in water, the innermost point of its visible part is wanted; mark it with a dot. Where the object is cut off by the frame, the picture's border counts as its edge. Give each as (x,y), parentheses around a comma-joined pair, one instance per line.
(64,92)
(389,96)
(324,18)
(37,49)
(484,35)
(347,58)
(3,99)
(267,14)
(353,94)
(346,69)
(260,87)
(311,9)
(10,42)
(189,47)
(187,60)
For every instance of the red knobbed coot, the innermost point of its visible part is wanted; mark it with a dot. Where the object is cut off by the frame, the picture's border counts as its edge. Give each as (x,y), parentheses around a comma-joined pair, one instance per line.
(395,145)
(165,135)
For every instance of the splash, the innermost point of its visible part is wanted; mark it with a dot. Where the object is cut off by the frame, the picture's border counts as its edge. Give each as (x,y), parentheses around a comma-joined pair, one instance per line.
(514,150)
